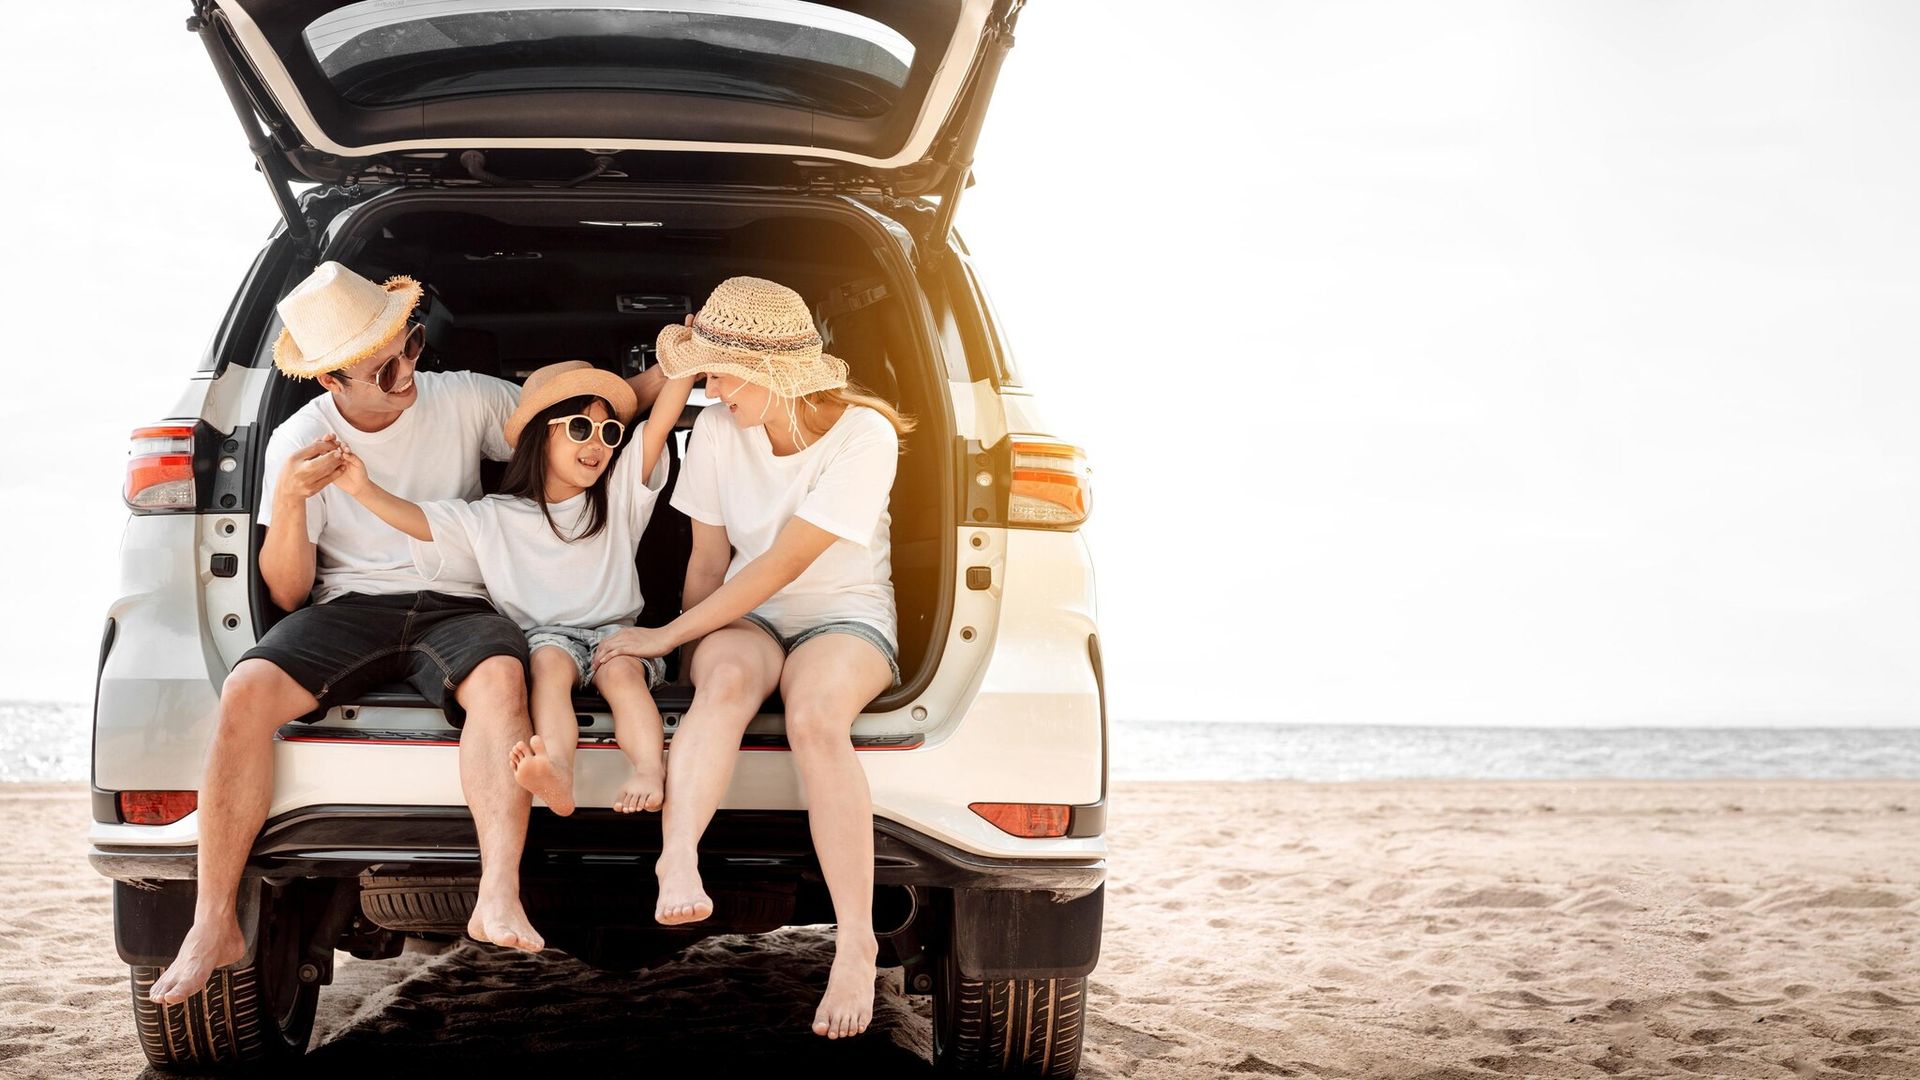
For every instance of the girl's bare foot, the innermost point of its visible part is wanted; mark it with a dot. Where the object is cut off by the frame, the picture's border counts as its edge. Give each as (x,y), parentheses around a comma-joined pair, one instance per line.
(205,949)
(847,1007)
(682,899)
(539,772)
(644,790)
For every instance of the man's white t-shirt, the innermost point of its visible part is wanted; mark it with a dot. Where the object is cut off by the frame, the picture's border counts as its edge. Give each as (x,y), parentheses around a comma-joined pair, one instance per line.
(534,577)
(840,483)
(431,452)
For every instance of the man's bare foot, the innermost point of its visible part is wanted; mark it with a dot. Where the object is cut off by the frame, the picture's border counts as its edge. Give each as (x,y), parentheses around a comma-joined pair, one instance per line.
(541,773)
(502,921)
(644,790)
(206,947)
(847,1007)
(682,899)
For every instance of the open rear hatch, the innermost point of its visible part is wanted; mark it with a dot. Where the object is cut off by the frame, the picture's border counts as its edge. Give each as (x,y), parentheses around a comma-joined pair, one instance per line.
(882,95)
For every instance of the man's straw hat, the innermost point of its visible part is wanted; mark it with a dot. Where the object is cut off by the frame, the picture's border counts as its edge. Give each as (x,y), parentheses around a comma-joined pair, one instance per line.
(570,379)
(336,318)
(758,330)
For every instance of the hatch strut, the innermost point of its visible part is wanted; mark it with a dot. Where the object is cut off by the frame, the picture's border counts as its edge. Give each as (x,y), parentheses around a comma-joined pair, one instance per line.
(958,155)
(273,165)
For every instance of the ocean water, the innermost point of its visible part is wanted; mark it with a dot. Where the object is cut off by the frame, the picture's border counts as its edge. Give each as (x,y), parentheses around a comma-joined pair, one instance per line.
(51,741)
(1251,751)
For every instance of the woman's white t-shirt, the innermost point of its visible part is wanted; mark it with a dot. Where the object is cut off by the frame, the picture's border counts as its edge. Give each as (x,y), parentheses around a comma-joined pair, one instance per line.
(840,483)
(431,452)
(534,577)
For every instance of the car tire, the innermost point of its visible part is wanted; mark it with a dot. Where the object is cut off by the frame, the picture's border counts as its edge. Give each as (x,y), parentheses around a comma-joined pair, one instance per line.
(245,1016)
(1006,1027)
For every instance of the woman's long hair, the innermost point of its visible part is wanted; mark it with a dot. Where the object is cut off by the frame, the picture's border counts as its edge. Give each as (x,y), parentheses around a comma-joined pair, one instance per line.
(526,475)
(807,405)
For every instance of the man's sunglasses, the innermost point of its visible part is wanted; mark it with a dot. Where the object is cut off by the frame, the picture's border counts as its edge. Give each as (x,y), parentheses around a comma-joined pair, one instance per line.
(579,427)
(397,373)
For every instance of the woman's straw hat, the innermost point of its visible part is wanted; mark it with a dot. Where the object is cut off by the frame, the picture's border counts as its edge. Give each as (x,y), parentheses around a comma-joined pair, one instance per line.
(758,330)
(336,318)
(570,379)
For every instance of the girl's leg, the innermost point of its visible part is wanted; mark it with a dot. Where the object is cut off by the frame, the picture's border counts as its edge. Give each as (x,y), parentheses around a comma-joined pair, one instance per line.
(734,669)
(544,765)
(636,727)
(827,681)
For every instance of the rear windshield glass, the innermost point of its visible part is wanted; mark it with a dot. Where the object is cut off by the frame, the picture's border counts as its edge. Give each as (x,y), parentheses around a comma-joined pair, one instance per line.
(394,52)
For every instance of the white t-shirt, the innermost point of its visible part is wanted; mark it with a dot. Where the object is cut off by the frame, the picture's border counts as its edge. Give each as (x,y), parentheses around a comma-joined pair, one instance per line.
(840,483)
(534,577)
(431,452)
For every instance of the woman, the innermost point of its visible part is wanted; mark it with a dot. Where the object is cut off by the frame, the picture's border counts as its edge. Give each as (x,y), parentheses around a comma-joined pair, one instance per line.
(792,470)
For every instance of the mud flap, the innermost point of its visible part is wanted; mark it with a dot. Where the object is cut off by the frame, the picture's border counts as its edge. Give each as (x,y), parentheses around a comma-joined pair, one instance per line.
(1007,934)
(152,918)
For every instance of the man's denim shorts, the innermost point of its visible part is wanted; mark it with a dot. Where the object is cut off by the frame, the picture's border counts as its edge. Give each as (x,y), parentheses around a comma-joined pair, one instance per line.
(579,644)
(864,631)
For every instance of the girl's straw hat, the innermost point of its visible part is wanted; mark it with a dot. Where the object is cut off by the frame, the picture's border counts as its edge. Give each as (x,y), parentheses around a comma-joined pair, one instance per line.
(758,330)
(570,379)
(336,318)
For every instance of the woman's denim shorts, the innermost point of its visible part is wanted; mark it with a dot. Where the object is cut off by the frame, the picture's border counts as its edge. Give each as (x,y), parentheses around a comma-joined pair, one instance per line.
(864,631)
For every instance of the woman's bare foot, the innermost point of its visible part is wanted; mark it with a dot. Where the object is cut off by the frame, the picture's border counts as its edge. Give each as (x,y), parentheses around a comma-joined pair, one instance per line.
(847,1007)
(682,899)
(205,948)
(539,772)
(500,920)
(644,790)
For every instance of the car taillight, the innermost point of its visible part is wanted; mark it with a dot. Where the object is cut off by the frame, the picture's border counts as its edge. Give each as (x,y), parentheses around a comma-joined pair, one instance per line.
(157,807)
(160,469)
(1052,486)
(1025,819)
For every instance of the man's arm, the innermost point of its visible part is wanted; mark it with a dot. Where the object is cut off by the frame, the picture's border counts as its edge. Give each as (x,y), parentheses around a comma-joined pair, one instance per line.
(288,556)
(647,386)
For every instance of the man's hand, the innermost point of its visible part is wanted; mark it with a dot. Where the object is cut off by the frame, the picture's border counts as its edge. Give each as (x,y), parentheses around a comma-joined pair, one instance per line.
(636,641)
(310,470)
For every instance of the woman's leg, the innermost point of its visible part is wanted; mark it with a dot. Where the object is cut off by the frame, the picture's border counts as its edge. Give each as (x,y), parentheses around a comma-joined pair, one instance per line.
(827,681)
(734,669)
(545,767)
(636,727)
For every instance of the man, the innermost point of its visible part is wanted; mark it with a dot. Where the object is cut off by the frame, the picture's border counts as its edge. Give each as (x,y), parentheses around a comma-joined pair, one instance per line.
(374,618)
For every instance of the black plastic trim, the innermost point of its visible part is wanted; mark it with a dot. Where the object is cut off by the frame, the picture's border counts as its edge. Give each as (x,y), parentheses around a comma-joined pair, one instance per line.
(344,840)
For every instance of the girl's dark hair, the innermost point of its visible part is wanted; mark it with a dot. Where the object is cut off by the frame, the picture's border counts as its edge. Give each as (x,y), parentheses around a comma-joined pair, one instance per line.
(526,475)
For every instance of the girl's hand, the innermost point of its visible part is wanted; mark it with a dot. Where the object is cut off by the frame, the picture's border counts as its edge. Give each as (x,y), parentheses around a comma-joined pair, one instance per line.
(352,478)
(640,642)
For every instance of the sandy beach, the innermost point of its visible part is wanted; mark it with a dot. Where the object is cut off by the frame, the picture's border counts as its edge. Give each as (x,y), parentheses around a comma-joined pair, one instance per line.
(1418,930)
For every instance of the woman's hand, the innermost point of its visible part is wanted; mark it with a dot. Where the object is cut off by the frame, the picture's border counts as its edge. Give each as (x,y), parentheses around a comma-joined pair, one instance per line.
(640,642)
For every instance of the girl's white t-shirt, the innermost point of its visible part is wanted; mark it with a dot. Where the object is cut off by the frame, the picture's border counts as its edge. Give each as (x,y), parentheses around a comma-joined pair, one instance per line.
(534,577)
(841,483)
(431,452)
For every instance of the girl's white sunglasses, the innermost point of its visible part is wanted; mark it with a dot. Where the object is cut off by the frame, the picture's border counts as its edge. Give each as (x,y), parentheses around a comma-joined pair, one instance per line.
(579,427)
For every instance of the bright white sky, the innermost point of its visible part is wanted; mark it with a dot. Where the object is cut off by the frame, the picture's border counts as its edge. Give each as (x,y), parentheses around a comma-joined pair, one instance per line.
(1529,363)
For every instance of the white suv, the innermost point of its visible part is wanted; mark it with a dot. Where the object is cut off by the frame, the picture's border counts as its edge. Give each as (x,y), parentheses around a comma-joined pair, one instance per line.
(566,179)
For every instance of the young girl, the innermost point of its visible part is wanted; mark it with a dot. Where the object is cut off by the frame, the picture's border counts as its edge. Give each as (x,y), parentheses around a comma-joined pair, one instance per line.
(792,469)
(555,549)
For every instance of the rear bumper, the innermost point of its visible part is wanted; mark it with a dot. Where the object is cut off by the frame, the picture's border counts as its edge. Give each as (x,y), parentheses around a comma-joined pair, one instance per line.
(346,841)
